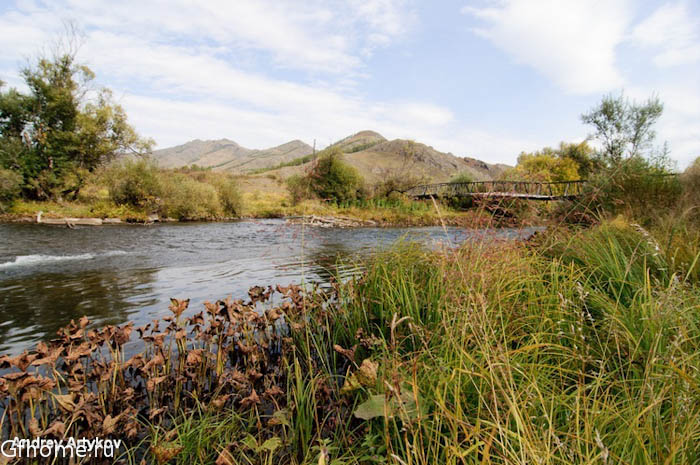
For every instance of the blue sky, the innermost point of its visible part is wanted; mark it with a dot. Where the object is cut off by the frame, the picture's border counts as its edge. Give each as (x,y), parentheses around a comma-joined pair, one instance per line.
(483,78)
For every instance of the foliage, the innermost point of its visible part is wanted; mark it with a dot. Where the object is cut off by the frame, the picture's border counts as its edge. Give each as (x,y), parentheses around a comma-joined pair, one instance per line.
(299,188)
(333,179)
(393,183)
(10,185)
(546,165)
(691,185)
(623,128)
(584,156)
(642,188)
(229,196)
(226,188)
(61,130)
(135,182)
(185,198)
(329,178)
(463,176)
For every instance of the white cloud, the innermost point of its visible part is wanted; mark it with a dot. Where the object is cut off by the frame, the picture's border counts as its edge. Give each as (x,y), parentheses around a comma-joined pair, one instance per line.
(572,42)
(679,124)
(673,33)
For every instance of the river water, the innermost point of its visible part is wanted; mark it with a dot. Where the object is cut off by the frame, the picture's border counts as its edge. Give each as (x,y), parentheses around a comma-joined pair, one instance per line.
(113,274)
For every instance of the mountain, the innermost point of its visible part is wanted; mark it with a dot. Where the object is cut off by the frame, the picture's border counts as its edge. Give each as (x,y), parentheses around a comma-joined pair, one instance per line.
(376,158)
(418,160)
(373,155)
(200,152)
(360,141)
(225,154)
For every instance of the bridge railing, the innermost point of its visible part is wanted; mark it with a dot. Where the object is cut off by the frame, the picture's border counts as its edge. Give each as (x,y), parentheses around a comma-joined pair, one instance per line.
(528,189)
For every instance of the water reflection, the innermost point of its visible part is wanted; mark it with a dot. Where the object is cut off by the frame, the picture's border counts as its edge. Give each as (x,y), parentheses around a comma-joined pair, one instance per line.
(37,305)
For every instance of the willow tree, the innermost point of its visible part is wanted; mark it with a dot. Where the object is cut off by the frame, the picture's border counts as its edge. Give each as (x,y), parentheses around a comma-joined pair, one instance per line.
(62,128)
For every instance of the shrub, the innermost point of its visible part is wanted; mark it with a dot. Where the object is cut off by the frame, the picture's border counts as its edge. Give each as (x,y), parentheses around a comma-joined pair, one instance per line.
(330,178)
(299,188)
(463,176)
(10,186)
(229,197)
(543,166)
(690,180)
(333,179)
(225,184)
(637,186)
(134,182)
(185,198)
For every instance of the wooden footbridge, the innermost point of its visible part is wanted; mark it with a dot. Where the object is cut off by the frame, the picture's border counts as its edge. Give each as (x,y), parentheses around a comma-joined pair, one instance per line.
(500,189)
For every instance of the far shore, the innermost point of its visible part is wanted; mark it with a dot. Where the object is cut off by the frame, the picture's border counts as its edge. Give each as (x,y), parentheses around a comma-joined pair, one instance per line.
(467,219)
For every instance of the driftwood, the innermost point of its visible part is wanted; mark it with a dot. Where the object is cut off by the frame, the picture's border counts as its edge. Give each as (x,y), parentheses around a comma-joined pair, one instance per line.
(330,221)
(70,222)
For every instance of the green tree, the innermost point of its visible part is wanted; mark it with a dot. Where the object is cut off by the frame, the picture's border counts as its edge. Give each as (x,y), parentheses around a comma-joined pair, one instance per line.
(624,128)
(61,130)
(333,179)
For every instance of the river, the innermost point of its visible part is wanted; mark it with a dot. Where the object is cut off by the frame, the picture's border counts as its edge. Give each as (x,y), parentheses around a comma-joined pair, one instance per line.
(113,274)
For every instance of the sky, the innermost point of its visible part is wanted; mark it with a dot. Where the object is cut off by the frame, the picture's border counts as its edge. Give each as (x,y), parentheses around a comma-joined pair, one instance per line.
(485,78)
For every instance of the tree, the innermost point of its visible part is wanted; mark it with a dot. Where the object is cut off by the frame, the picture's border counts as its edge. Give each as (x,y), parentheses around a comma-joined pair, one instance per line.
(583,154)
(624,128)
(333,179)
(61,129)
(548,164)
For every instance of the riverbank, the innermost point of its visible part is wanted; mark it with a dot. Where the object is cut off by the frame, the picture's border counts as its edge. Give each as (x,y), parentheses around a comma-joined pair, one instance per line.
(257,206)
(576,348)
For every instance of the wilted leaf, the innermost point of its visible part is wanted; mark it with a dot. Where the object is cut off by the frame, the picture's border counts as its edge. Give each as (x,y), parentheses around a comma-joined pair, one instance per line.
(280,417)
(194,357)
(367,374)
(34,427)
(220,401)
(178,306)
(252,399)
(165,452)
(348,353)
(351,384)
(109,424)
(224,458)
(65,401)
(58,429)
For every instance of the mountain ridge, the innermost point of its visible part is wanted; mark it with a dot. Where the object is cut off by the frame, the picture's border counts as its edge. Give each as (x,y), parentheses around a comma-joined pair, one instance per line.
(368,151)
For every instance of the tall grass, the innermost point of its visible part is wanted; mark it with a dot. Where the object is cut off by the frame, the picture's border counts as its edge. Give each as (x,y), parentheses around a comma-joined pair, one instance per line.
(587,354)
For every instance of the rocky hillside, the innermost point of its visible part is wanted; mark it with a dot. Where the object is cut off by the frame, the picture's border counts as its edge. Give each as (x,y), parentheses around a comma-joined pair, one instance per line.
(417,160)
(227,155)
(361,141)
(377,158)
(203,153)
(372,154)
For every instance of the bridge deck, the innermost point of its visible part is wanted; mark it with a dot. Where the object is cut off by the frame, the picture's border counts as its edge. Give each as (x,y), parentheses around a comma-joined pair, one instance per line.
(501,189)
